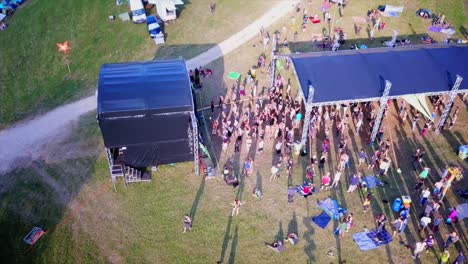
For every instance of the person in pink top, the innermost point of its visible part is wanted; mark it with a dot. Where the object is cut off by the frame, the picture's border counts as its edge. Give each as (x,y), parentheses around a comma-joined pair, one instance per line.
(325,182)
(453,215)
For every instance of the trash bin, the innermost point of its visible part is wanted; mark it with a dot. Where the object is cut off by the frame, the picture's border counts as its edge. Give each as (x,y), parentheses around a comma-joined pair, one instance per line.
(297,147)
(463,152)
(396,207)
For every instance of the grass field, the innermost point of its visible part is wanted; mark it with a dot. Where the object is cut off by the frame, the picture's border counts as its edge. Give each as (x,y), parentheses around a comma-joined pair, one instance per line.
(35,78)
(88,222)
(67,192)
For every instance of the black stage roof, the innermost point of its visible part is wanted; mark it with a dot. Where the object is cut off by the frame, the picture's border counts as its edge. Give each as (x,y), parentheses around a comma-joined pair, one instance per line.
(359,75)
(135,88)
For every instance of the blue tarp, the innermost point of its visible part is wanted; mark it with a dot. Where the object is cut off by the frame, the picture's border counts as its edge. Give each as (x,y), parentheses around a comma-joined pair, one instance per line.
(364,242)
(371,240)
(350,75)
(331,207)
(322,220)
(372,182)
(381,238)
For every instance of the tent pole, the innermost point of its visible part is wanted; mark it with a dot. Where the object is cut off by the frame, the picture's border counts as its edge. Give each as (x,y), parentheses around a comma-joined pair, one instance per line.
(196,158)
(272,69)
(110,161)
(448,107)
(383,103)
(308,108)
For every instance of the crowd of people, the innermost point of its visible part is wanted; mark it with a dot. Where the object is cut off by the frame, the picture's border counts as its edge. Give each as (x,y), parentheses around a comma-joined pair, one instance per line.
(274,116)
(251,117)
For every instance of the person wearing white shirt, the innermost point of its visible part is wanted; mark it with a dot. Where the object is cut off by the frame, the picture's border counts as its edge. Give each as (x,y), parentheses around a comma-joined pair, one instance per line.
(336,179)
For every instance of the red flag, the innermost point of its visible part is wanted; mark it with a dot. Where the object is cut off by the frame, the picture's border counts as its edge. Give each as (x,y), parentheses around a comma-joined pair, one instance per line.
(63,47)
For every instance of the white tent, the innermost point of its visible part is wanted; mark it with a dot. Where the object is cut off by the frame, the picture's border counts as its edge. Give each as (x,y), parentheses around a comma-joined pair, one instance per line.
(419,102)
(166,8)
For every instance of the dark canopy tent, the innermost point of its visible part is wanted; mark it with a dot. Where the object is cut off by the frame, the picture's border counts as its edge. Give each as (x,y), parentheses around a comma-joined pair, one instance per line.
(359,75)
(145,108)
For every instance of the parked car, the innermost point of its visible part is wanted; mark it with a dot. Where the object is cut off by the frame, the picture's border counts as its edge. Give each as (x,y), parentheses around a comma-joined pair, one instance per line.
(138,11)
(154,29)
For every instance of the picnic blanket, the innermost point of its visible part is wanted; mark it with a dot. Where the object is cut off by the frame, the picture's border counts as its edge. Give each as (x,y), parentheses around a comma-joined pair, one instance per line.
(358,20)
(322,220)
(372,182)
(434,29)
(390,8)
(390,14)
(325,6)
(363,241)
(33,235)
(448,31)
(462,210)
(394,9)
(438,29)
(381,238)
(330,206)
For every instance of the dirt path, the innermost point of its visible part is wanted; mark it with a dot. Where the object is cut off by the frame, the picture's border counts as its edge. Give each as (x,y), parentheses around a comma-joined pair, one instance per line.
(25,139)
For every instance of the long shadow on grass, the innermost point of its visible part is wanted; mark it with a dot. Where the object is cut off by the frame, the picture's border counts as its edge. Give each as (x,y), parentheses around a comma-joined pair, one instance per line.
(308,237)
(38,195)
(235,239)
(342,203)
(400,184)
(174,51)
(387,246)
(227,237)
(280,235)
(259,184)
(196,202)
(308,46)
(292,226)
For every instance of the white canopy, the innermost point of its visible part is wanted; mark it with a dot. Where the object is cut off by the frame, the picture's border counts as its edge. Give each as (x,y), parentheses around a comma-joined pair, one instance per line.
(418,101)
(389,8)
(167,2)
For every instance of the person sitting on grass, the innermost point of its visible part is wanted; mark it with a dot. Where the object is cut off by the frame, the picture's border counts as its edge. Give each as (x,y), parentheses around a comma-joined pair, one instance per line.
(292,238)
(257,193)
(277,246)
(341,229)
(306,189)
(291,192)
(3,26)
(367,202)
(325,182)
(231,179)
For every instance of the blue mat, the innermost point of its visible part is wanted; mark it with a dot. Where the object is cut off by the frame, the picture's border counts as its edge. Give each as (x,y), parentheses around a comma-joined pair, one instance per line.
(364,242)
(372,182)
(380,239)
(322,220)
(331,207)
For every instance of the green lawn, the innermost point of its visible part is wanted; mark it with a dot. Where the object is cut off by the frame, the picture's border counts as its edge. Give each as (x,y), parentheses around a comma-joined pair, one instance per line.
(68,193)
(35,78)
(143,223)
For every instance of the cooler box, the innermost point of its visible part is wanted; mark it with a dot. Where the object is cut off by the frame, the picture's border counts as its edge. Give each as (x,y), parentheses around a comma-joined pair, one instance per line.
(406,201)
(297,147)
(463,152)
(396,207)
